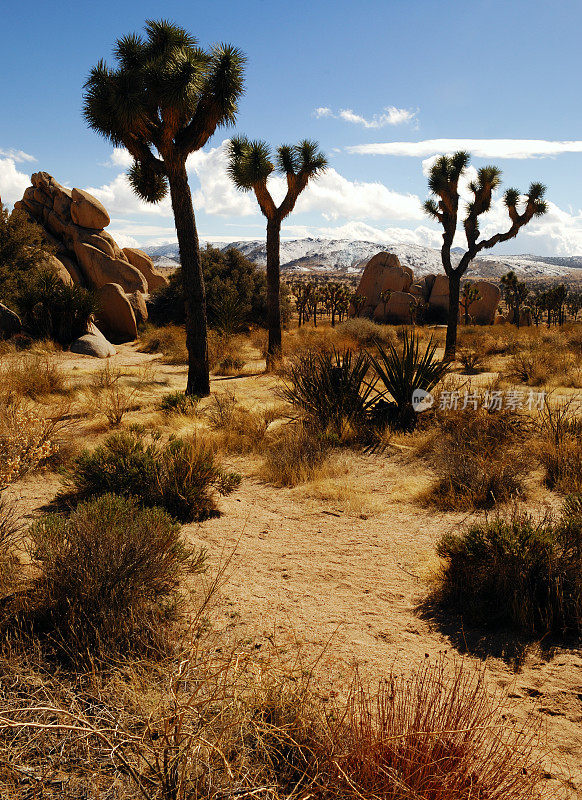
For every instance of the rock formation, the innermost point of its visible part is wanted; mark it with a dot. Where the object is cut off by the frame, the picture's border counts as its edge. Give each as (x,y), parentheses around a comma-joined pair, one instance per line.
(384,273)
(75,221)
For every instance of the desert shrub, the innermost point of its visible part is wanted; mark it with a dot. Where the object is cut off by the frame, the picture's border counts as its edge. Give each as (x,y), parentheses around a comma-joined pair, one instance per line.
(181,476)
(225,353)
(236,293)
(32,375)
(108,575)
(560,448)
(530,367)
(23,250)
(170,341)
(402,373)
(179,403)
(518,571)
(363,331)
(10,544)
(330,388)
(239,429)
(26,441)
(111,395)
(437,734)
(471,360)
(50,309)
(295,455)
(479,457)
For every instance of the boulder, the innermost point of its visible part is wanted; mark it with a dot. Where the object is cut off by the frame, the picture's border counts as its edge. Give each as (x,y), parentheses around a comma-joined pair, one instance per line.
(397,310)
(87,211)
(55,265)
(145,265)
(10,323)
(100,269)
(439,294)
(138,303)
(483,311)
(382,272)
(116,315)
(93,343)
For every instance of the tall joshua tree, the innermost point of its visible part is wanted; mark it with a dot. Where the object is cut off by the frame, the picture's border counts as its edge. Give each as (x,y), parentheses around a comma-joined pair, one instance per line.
(249,167)
(164,101)
(444,184)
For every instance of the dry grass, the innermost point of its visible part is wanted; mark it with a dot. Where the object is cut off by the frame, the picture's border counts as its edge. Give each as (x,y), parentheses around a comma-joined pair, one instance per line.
(296,454)
(32,375)
(239,727)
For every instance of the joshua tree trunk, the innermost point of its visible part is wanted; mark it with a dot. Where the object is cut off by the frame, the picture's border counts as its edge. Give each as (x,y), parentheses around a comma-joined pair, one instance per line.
(273,293)
(453,316)
(193,280)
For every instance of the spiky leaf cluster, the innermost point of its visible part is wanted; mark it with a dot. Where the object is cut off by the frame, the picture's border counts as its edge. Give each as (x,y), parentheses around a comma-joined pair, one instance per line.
(164,99)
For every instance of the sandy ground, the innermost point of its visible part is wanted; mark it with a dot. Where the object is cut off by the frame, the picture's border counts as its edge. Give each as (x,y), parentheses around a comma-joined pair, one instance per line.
(343,570)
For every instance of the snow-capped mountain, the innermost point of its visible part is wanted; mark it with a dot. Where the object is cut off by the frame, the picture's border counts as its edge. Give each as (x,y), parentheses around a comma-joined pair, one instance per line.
(349,256)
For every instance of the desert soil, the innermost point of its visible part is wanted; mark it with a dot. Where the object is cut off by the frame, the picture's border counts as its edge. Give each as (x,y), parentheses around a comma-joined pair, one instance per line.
(341,569)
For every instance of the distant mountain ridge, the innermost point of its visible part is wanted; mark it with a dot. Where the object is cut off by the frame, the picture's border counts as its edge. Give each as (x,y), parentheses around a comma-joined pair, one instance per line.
(350,256)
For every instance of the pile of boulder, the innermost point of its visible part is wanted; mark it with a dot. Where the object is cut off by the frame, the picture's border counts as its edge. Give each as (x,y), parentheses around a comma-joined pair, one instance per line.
(85,253)
(390,294)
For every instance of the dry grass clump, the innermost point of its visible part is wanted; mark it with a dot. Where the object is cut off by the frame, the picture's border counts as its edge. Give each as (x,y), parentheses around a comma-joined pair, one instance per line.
(560,447)
(112,396)
(108,579)
(435,735)
(243,728)
(479,457)
(472,360)
(180,475)
(225,353)
(169,340)
(518,571)
(362,332)
(179,403)
(296,454)
(11,539)
(32,375)
(238,429)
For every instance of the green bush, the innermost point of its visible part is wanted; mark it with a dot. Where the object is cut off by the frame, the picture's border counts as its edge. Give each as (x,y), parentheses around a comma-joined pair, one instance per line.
(330,387)
(109,576)
(50,309)
(180,475)
(23,250)
(518,571)
(236,293)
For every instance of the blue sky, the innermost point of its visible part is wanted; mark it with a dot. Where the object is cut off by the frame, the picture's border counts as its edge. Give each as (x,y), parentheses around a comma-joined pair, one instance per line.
(374,82)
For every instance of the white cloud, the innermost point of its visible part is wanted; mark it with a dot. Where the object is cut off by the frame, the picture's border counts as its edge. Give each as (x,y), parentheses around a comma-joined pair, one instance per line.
(119,198)
(119,157)
(217,193)
(12,181)
(483,148)
(390,116)
(17,155)
(335,196)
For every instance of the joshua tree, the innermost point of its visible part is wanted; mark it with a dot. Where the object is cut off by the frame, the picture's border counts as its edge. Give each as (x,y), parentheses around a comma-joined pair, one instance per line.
(516,293)
(444,184)
(385,296)
(469,295)
(164,101)
(358,302)
(250,166)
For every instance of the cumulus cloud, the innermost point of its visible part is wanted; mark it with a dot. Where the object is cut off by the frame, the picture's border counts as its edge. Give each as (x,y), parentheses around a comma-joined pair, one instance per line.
(390,116)
(12,181)
(483,148)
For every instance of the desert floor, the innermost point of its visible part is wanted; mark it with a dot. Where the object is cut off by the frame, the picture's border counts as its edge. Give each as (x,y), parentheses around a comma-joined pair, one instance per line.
(338,568)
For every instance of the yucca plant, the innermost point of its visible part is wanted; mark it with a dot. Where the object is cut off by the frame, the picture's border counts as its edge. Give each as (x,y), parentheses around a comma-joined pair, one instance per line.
(402,372)
(330,387)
